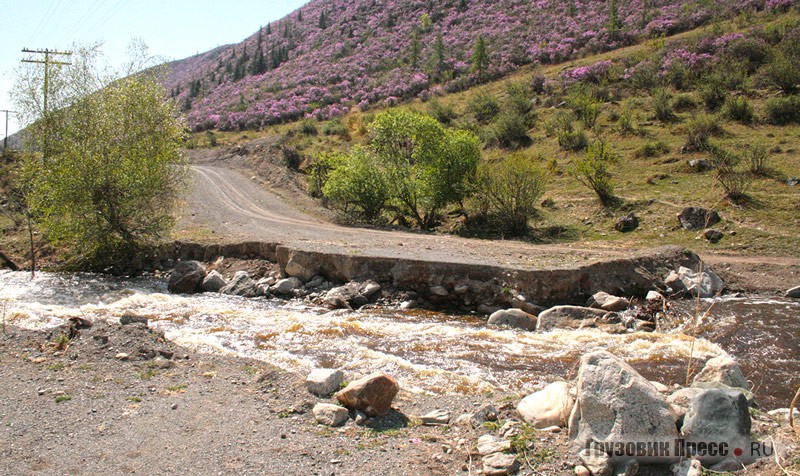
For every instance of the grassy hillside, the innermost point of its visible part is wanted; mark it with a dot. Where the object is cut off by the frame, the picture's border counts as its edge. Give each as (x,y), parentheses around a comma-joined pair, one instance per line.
(332,56)
(648,99)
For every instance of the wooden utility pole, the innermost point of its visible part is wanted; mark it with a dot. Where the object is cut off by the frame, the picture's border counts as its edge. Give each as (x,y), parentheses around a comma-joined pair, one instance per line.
(47,61)
(5,138)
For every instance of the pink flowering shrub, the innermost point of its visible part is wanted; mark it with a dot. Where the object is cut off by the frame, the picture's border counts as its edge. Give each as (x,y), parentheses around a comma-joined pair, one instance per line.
(343,54)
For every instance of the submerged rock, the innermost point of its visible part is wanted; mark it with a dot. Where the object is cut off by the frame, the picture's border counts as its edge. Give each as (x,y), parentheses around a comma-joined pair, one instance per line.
(568,317)
(186,277)
(515,318)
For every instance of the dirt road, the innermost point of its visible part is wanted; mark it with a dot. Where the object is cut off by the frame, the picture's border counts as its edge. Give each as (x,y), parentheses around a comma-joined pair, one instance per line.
(226,206)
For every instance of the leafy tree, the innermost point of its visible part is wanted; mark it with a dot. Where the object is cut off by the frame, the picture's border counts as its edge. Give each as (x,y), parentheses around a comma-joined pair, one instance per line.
(440,60)
(510,189)
(424,166)
(592,170)
(104,169)
(480,57)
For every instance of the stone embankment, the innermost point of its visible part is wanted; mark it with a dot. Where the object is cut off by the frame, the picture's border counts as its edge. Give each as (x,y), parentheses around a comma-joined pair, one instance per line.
(445,285)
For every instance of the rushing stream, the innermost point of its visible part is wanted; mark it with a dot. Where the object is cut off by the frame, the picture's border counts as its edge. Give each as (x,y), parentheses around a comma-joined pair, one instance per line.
(428,352)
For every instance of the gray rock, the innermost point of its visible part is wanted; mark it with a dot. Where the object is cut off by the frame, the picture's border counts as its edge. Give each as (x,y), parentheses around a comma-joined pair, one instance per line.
(287,287)
(241,285)
(627,223)
(316,282)
(608,302)
(529,307)
(488,444)
(568,317)
(298,270)
(705,284)
(263,285)
(440,291)
(713,235)
(683,397)
(323,382)
(500,464)
(186,277)
(482,415)
(723,369)
(699,165)
(548,407)
(793,293)
(697,218)
(213,282)
(792,182)
(750,396)
(515,318)
(687,467)
(435,418)
(616,404)
(718,416)
(597,462)
(582,470)
(654,296)
(329,414)
(128,319)
(352,295)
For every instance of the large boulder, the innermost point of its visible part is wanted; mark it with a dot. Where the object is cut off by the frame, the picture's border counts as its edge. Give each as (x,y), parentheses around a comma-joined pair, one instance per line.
(697,218)
(372,394)
(515,318)
(550,406)
(718,416)
(608,302)
(723,369)
(241,285)
(352,295)
(616,404)
(186,277)
(705,284)
(213,282)
(568,317)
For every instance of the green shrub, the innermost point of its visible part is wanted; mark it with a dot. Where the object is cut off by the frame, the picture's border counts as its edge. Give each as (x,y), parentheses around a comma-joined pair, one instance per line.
(441,112)
(784,71)
(652,149)
(734,179)
(783,111)
(510,131)
(625,123)
(662,105)
(320,170)
(700,129)
(585,105)
(758,157)
(592,170)
(563,127)
(358,186)
(308,127)
(713,94)
(509,191)
(335,127)
(291,158)
(484,106)
(684,102)
(738,109)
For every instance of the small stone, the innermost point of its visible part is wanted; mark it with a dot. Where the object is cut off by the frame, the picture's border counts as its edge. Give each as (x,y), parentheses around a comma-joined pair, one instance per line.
(436,417)
(687,467)
(122,356)
(654,296)
(174,406)
(627,223)
(329,414)
(608,302)
(596,461)
(440,291)
(515,318)
(128,319)
(287,286)
(488,444)
(509,429)
(500,464)
(660,387)
(793,293)
(713,236)
(551,429)
(482,415)
(582,470)
(361,418)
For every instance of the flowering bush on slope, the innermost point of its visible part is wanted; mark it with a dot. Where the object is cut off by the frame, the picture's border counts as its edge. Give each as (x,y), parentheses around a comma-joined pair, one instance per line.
(333,55)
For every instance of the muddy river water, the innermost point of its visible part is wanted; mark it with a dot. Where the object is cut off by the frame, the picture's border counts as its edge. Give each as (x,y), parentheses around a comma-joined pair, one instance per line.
(426,351)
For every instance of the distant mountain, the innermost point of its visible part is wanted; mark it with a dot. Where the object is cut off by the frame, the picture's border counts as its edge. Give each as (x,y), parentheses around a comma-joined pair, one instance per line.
(332,55)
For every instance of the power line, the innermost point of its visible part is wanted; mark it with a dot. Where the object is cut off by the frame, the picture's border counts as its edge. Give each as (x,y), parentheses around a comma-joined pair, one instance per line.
(47,61)
(5,138)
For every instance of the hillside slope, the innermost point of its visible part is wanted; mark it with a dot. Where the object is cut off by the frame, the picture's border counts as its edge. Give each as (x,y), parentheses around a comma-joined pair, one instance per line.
(333,55)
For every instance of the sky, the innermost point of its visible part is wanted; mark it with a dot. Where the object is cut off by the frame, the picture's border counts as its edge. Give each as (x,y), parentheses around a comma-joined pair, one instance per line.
(172,29)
